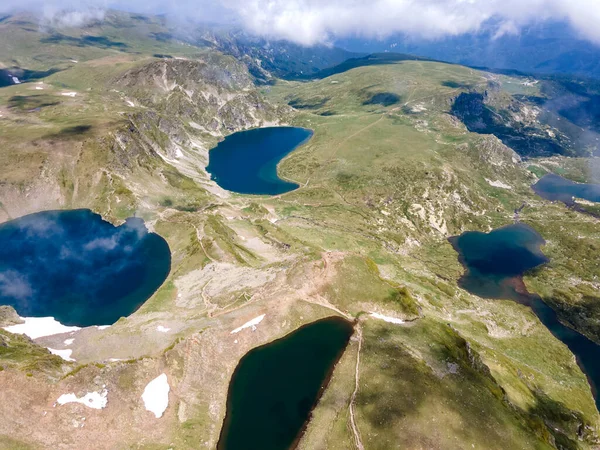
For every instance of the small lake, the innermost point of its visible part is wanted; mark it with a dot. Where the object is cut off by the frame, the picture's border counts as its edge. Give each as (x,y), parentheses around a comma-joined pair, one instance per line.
(495,263)
(246,162)
(556,188)
(275,387)
(79,269)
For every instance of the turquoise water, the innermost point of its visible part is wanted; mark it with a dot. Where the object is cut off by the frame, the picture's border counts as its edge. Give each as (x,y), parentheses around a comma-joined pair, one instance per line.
(246,162)
(494,264)
(77,268)
(275,387)
(556,188)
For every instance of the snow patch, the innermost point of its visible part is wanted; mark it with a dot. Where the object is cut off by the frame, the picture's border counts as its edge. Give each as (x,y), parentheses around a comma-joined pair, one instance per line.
(39,88)
(69,341)
(251,323)
(69,94)
(498,184)
(387,318)
(64,354)
(37,327)
(156,395)
(16,80)
(94,400)
(581,201)
(162,329)
(103,327)
(130,103)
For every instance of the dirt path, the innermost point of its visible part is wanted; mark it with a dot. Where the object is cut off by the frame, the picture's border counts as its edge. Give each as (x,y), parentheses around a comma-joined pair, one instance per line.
(353,135)
(198,235)
(355,432)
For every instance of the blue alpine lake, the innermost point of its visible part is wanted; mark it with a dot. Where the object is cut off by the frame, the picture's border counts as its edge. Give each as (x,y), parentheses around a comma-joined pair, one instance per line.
(275,387)
(246,162)
(495,263)
(556,188)
(79,269)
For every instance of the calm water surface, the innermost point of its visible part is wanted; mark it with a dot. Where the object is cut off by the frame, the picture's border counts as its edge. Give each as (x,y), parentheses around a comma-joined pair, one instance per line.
(246,162)
(77,268)
(275,387)
(556,188)
(494,264)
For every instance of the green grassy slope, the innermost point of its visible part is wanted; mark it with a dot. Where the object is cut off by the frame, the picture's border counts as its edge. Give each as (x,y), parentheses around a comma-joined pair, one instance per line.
(387,177)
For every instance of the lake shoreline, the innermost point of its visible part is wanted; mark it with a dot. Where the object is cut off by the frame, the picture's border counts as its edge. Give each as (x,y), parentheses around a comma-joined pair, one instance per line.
(229,417)
(512,287)
(247,162)
(79,269)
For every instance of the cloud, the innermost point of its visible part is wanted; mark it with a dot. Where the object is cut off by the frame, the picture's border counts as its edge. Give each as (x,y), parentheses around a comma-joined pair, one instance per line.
(105,244)
(310,22)
(14,284)
(61,19)
(35,226)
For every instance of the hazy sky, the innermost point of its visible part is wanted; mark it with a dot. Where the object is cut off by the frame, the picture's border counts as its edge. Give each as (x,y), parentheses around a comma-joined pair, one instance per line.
(320,21)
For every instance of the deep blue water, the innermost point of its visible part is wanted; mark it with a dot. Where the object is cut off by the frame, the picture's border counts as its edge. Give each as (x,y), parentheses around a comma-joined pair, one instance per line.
(77,268)
(556,188)
(275,387)
(495,263)
(246,162)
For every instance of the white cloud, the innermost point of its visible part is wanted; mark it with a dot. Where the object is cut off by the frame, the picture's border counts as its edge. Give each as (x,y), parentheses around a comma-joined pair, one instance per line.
(61,18)
(16,285)
(316,21)
(312,21)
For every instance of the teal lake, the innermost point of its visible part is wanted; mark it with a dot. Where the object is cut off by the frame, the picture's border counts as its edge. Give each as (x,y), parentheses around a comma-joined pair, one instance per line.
(276,386)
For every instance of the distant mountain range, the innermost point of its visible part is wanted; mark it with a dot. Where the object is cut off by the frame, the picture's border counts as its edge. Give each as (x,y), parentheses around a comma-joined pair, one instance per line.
(549,48)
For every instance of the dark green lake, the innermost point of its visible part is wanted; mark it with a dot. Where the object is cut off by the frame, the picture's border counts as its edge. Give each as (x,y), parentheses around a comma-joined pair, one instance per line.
(77,268)
(556,188)
(495,263)
(275,387)
(246,162)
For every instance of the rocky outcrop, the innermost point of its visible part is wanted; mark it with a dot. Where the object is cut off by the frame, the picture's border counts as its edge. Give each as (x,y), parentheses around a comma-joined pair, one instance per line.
(492,151)
(187,106)
(512,121)
(8,316)
(214,95)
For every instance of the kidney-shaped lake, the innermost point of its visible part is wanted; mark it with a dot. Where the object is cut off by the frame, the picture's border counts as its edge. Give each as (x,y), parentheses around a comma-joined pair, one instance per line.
(246,162)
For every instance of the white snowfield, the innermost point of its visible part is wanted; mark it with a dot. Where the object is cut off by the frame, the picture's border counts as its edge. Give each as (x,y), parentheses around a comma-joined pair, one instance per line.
(16,80)
(162,329)
(498,184)
(156,395)
(69,341)
(94,400)
(387,318)
(69,94)
(64,354)
(252,323)
(37,327)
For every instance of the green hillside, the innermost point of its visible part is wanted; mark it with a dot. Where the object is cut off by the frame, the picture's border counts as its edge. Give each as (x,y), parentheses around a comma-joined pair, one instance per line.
(121,121)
